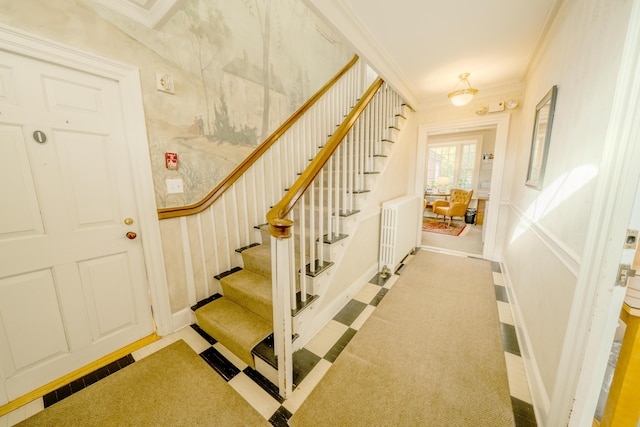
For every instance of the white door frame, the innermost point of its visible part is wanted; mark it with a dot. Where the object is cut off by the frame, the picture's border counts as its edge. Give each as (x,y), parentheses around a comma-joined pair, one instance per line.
(597,301)
(501,123)
(128,78)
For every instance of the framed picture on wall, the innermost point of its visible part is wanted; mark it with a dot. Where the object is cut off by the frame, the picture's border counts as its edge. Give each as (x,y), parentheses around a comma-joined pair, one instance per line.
(541,135)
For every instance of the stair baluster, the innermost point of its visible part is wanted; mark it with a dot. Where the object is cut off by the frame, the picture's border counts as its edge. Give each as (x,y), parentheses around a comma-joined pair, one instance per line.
(302,274)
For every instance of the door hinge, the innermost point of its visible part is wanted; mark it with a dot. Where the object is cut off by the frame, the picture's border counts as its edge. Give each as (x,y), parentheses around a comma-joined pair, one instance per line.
(624,272)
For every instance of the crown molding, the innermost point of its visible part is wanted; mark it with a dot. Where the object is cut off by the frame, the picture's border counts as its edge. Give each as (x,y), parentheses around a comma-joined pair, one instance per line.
(150,13)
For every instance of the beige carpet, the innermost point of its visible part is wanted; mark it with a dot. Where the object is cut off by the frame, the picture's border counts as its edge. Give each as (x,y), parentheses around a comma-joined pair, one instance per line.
(430,355)
(172,387)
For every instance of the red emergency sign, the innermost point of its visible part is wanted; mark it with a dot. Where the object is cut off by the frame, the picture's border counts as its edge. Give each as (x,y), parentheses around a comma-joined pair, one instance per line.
(171,160)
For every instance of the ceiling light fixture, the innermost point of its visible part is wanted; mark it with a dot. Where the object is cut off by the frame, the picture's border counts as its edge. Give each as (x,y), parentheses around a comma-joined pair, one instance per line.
(463,92)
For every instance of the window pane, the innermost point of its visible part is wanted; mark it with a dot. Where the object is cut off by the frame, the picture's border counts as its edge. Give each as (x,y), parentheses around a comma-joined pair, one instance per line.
(442,162)
(456,161)
(468,156)
(467,165)
(464,180)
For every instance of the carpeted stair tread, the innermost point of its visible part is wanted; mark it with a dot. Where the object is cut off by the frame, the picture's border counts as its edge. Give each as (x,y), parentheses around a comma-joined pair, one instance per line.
(233,326)
(258,260)
(251,291)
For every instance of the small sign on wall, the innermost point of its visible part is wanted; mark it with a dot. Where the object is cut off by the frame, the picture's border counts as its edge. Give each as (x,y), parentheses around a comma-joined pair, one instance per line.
(171,160)
(164,83)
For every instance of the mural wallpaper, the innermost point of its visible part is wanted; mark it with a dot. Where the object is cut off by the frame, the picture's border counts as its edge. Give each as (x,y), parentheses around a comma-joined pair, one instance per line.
(239,68)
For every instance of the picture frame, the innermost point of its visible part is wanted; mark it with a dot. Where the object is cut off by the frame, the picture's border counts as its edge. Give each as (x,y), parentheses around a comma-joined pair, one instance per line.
(542,125)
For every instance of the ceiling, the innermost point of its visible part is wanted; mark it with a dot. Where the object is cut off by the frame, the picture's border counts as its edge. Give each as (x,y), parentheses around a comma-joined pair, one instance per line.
(421,46)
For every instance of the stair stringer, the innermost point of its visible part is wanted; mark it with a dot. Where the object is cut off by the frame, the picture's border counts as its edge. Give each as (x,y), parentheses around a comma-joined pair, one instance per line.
(333,290)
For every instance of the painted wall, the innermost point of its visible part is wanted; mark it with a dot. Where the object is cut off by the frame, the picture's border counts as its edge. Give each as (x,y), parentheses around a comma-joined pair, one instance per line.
(216,52)
(545,236)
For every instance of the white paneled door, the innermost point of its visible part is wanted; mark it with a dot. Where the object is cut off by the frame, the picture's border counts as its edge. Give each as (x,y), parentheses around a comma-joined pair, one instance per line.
(73,286)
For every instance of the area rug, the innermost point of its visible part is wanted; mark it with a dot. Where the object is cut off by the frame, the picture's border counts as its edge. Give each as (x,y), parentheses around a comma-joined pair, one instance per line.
(430,355)
(441,226)
(172,387)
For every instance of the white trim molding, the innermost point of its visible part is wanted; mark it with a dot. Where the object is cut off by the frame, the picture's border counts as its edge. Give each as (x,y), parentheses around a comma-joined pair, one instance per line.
(598,301)
(150,13)
(189,279)
(538,391)
(567,256)
(183,318)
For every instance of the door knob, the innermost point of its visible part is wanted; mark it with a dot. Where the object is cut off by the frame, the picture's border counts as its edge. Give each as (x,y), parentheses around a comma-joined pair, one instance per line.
(131,235)
(128,221)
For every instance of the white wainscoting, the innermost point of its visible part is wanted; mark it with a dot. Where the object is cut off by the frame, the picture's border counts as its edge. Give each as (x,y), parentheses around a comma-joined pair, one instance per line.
(559,255)
(566,255)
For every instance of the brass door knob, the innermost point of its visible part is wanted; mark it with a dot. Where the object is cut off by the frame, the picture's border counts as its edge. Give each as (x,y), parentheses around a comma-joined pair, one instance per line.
(131,235)
(128,221)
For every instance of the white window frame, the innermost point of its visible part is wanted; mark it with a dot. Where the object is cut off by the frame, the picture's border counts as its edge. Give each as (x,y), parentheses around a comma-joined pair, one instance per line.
(457,141)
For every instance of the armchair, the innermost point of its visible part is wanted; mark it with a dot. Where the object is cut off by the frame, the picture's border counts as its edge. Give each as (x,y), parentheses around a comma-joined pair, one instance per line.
(456,205)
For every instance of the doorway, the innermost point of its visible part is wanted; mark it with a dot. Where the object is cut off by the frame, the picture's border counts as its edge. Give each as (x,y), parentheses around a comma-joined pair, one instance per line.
(458,161)
(487,184)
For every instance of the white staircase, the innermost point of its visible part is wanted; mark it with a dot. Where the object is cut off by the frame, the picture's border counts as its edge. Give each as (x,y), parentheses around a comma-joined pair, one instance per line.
(327,160)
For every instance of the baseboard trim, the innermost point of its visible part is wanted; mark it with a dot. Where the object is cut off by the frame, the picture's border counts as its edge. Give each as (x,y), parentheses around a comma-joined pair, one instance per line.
(182,318)
(539,395)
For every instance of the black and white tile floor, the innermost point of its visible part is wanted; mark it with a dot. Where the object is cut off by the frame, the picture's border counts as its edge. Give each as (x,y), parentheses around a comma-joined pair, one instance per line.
(310,363)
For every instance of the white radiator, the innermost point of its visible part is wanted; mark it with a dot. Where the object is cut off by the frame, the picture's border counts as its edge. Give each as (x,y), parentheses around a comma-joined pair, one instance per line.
(399,230)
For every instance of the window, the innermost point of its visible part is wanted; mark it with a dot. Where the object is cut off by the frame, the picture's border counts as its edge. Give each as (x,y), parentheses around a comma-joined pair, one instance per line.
(455,160)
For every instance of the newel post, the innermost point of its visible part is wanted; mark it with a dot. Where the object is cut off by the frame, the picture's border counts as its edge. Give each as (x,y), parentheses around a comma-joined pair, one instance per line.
(283,280)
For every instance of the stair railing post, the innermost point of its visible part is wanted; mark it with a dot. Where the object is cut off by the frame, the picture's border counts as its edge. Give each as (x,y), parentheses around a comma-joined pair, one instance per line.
(283,280)
(302,269)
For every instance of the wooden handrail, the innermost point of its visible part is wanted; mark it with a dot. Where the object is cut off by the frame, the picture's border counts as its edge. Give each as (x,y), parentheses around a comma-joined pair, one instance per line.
(279,225)
(219,190)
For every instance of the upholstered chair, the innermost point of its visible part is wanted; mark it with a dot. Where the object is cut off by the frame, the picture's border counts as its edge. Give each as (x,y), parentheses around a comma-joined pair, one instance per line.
(456,205)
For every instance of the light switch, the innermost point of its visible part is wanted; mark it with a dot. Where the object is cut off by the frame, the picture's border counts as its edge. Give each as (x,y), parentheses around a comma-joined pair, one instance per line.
(174,185)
